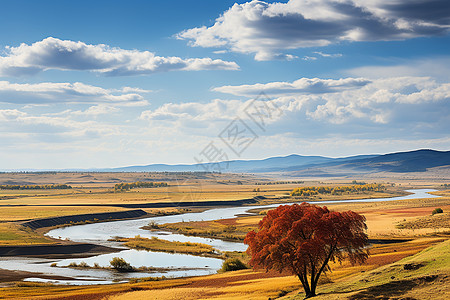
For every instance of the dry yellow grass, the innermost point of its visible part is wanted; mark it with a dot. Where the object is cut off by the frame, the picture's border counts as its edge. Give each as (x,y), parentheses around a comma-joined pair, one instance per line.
(166,294)
(436,221)
(95,189)
(17,213)
(156,244)
(235,286)
(15,234)
(228,229)
(431,280)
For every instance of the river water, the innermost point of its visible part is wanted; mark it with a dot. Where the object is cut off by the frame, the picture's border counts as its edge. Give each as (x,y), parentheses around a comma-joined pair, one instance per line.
(180,265)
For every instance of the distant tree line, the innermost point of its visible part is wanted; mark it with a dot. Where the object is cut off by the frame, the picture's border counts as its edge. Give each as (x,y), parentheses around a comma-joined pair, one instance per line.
(358,182)
(337,190)
(35,187)
(138,184)
(279,182)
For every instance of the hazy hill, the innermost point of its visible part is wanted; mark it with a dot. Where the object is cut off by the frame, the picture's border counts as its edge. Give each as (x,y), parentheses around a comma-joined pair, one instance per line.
(411,161)
(399,162)
(272,164)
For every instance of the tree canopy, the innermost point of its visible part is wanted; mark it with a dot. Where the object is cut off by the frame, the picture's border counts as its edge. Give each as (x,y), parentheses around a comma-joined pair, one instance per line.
(337,190)
(303,238)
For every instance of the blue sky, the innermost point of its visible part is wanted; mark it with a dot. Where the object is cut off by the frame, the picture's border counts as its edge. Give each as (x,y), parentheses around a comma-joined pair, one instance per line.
(112,83)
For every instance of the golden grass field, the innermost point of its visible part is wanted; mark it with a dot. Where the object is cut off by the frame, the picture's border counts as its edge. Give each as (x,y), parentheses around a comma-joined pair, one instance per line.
(383,272)
(158,245)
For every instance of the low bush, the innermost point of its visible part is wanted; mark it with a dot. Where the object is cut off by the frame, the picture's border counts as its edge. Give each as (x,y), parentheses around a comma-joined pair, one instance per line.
(437,211)
(121,265)
(233,264)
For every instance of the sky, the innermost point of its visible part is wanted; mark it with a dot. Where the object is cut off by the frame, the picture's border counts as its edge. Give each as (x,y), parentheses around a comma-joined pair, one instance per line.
(98,84)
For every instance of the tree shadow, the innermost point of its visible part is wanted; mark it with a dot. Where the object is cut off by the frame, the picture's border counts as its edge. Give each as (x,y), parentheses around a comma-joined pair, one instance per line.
(392,289)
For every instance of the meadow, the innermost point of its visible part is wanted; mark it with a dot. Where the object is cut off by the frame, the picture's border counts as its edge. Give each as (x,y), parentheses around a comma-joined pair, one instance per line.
(421,238)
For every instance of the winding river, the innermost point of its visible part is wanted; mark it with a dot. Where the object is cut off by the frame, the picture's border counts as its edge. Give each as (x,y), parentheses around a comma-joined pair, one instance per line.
(179,265)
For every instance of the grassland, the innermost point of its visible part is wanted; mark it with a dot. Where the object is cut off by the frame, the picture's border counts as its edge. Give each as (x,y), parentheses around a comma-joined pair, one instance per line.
(94,193)
(229,229)
(23,213)
(437,221)
(346,281)
(424,275)
(15,234)
(158,245)
(384,220)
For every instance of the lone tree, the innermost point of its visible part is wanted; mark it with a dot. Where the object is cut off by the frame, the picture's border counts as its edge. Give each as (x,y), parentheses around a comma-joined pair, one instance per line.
(303,239)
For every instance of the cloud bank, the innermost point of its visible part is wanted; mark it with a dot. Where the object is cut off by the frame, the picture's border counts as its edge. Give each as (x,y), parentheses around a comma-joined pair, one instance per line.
(300,86)
(53,53)
(268,29)
(392,107)
(50,92)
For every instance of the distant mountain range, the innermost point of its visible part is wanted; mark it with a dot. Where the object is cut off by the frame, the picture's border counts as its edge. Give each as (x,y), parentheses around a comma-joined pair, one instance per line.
(307,166)
(411,161)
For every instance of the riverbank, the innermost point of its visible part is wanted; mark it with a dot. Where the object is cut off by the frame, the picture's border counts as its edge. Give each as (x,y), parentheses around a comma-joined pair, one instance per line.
(157,245)
(69,250)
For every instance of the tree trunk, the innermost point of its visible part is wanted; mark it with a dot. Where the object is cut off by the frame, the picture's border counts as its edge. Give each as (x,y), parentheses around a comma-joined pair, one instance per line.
(312,293)
(305,285)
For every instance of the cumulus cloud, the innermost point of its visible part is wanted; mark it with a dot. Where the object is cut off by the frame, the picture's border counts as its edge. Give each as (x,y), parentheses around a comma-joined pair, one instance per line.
(216,110)
(300,86)
(406,105)
(53,53)
(57,126)
(269,29)
(50,92)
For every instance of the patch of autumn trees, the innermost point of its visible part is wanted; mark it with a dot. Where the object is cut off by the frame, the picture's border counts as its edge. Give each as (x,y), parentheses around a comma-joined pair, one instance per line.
(336,190)
(303,239)
(35,187)
(138,184)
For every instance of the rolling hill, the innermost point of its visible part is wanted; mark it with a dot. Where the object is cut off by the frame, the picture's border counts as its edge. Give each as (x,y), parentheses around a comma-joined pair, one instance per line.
(411,161)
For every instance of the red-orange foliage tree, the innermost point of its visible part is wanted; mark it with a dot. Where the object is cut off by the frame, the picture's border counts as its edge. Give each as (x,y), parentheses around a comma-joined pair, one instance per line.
(303,239)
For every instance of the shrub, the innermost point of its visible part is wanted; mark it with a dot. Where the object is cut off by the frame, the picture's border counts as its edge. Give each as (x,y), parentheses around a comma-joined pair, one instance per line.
(233,264)
(121,265)
(437,211)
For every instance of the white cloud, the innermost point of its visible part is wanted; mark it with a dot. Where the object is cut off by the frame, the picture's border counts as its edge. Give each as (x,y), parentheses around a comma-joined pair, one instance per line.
(50,92)
(53,53)
(329,55)
(10,114)
(319,106)
(300,86)
(220,52)
(434,67)
(96,110)
(382,115)
(269,29)
(309,58)
(55,125)
(216,110)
